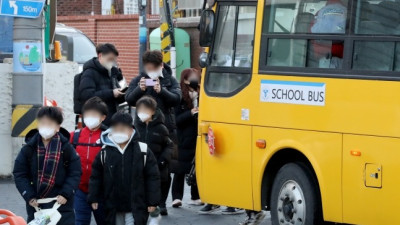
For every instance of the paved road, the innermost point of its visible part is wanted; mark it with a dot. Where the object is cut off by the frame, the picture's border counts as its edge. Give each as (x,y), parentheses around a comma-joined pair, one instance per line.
(187,215)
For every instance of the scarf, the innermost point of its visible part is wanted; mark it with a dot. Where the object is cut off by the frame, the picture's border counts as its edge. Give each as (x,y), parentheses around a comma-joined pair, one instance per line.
(48,159)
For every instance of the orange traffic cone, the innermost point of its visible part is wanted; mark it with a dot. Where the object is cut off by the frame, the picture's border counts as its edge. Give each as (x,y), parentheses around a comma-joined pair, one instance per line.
(11,218)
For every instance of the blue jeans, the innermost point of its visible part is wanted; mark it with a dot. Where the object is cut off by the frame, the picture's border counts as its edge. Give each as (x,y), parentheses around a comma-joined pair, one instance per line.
(83,210)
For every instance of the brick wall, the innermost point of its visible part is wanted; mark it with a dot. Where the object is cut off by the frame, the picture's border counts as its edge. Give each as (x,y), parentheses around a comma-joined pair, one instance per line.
(120,30)
(78,7)
(84,7)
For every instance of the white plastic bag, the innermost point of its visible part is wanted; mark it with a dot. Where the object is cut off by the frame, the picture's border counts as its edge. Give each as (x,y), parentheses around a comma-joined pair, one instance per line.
(46,216)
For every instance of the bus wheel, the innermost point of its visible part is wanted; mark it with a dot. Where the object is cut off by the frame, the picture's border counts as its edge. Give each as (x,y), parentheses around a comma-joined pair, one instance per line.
(294,197)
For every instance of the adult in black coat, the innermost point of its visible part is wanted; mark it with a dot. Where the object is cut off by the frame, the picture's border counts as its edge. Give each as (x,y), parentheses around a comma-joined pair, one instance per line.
(186,121)
(149,123)
(67,175)
(166,91)
(127,180)
(100,78)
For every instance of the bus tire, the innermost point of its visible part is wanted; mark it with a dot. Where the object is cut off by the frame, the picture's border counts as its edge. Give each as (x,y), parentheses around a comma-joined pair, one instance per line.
(295,197)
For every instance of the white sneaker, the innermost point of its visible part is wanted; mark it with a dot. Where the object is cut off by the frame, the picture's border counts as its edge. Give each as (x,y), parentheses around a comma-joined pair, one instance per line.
(177,203)
(197,202)
(154,220)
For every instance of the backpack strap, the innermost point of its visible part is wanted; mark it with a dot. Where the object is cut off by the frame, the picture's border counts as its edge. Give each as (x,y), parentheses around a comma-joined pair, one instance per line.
(75,139)
(103,155)
(143,149)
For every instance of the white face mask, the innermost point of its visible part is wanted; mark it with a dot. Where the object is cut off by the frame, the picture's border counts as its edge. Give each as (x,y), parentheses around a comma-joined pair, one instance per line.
(108,65)
(47,132)
(143,116)
(155,74)
(120,138)
(92,122)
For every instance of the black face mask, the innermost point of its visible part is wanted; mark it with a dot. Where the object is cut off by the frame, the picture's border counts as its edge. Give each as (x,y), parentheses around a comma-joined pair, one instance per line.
(194,84)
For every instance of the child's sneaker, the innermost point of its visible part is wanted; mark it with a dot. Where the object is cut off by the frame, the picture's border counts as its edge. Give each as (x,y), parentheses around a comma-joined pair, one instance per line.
(209,208)
(231,211)
(163,211)
(254,218)
(197,202)
(154,220)
(177,203)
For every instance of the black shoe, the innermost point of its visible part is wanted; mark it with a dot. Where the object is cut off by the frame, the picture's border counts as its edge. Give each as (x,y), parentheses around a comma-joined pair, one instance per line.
(209,209)
(231,211)
(163,211)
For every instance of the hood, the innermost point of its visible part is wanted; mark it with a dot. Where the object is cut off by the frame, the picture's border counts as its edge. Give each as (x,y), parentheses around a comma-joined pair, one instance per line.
(106,139)
(30,137)
(167,71)
(158,118)
(95,65)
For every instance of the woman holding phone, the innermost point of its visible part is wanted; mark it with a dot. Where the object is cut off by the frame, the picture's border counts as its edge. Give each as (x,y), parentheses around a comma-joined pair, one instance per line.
(186,120)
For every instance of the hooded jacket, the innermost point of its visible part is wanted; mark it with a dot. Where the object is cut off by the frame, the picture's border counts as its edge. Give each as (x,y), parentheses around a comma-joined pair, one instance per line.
(86,153)
(67,176)
(96,81)
(120,177)
(169,97)
(156,136)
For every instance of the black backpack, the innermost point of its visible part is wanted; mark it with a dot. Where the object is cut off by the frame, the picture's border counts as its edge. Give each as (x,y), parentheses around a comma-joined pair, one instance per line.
(77,101)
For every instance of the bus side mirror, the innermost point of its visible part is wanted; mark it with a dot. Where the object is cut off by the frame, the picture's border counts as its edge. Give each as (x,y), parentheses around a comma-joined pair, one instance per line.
(204,60)
(206,28)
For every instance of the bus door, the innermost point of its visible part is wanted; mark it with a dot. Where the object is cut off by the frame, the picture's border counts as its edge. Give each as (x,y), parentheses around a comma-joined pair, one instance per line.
(223,97)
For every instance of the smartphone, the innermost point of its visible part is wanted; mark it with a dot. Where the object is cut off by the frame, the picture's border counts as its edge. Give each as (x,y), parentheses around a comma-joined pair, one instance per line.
(123,90)
(150,82)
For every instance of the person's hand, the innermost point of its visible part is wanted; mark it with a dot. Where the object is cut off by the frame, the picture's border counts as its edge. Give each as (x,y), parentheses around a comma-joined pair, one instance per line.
(61,200)
(157,86)
(142,84)
(117,93)
(95,206)
(194,110)
(33,202)
(151,209)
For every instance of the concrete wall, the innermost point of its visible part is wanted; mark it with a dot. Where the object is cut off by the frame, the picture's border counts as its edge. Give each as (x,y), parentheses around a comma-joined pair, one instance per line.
(58,85)
(6,151)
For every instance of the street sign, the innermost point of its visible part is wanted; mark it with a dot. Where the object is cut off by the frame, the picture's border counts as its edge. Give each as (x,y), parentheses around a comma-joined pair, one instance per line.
(21,8)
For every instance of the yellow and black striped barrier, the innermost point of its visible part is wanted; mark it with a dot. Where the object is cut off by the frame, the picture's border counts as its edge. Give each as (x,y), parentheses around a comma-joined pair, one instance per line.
(23,119)
(165,43)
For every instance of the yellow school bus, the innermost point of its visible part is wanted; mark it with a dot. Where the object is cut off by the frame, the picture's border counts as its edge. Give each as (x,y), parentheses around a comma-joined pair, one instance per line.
(300,109)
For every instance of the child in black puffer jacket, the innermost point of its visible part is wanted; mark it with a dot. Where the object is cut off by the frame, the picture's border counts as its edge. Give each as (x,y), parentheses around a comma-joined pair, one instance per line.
(149,123)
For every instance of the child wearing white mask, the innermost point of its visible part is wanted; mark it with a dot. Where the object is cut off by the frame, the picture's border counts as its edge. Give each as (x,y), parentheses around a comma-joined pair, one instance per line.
(87,143)
(149,123)
(48,166)
(125,175)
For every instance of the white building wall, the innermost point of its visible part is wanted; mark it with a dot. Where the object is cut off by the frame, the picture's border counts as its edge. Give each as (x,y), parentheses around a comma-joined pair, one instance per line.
(58,85)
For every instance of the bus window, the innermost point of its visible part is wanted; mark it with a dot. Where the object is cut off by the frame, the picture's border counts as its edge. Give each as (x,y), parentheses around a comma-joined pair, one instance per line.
(232,53)
(291,17)
(377,17)
(302,16)
(245,35)
(224,37)
(225,83)
(373,55)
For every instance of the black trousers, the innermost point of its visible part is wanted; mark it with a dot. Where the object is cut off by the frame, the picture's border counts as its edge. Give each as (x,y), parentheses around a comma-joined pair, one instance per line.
(178,186)
(165,185)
